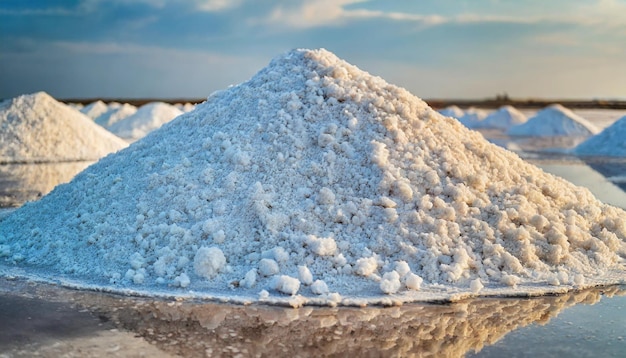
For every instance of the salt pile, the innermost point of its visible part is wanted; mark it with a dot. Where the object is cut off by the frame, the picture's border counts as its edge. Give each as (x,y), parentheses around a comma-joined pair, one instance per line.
(95,109)
(452,111)
(115,114)
(504,118)
(37,128)
(315,182)
(555,120)
(147,118)
(473,117)
(610,142)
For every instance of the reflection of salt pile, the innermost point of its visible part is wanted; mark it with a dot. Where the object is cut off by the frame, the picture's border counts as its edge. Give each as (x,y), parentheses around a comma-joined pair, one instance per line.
(452,111)
(193,329)
(610,142)
(25,182)
(504,118)
(37,128)
(95,109)
(147,118)
(555,120)
(115,114)
(317,178)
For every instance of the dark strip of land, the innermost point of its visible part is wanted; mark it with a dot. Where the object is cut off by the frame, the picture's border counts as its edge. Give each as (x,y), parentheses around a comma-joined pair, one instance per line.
(435,103)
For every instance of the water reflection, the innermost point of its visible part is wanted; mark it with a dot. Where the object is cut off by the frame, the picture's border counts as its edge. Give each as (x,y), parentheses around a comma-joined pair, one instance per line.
(20,183)
(198,329)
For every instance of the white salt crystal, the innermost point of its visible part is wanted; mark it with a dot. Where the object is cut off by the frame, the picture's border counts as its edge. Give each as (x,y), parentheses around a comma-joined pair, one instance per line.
(209,261)
(268,267)
(286,284)
(319,287)
(305,276)
(390,282)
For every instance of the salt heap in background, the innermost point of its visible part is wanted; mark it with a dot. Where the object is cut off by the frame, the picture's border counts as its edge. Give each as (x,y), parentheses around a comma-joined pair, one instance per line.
(610,142)
(115,114)
(147,118)
(317,182)
(555,120)
(452,111)
(95,109)
(37,128)
(505,117)
(473,117)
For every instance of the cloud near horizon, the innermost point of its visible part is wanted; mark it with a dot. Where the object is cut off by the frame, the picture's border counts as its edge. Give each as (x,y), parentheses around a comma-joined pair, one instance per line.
(435,48)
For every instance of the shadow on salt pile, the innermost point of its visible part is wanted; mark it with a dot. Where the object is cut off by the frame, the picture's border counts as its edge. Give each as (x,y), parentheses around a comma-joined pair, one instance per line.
(187,328)
(20,183)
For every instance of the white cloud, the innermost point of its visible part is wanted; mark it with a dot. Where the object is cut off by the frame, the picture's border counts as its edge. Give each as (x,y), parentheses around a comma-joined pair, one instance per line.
(217,5)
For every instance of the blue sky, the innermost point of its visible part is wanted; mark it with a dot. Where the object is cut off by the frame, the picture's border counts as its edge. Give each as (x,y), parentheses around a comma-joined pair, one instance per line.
(434,48)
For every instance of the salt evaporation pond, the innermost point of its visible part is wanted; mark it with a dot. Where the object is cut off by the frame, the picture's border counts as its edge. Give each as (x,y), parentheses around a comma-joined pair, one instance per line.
(317,183)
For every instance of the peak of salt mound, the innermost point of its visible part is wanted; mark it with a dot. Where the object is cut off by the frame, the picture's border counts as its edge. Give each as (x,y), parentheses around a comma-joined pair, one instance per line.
(37,128)
(316,182)
(115,114)
(610,142)
(555,120)
(95,109)
(473,117)
(504,118)
(452,111)
(147,118)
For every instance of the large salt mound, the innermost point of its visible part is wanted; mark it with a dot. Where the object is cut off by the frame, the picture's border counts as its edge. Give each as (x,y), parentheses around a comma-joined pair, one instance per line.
(505,117)
(315,182)
(610,142)
(37,128)
(95,109)
(115,114)
(554,120)
(148,117)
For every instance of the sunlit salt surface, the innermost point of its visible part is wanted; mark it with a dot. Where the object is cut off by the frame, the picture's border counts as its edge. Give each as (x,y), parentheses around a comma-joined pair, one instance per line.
(49,321)
(316,183)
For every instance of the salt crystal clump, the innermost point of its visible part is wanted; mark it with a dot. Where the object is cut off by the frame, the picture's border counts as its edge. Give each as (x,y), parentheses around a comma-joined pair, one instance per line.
(286,284)
(555,120)
(249,163)
(610,142)
(209,261)
(319,287)
(147,118)
(37,128)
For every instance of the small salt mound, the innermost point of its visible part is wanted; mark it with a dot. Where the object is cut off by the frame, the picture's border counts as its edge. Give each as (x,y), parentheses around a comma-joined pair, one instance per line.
(316,171)
(95,109)
(555,120)
(147,118)
(473,117)
(610,142)
(115,114)
(505,117)
(37,128)
(187,107)
(452,111)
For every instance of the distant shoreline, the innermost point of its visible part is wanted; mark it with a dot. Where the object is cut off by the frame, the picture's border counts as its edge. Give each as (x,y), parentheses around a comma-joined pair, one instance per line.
(435,103)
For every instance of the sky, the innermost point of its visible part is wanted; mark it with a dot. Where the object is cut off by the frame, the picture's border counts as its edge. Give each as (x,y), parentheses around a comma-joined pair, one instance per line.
(470,49)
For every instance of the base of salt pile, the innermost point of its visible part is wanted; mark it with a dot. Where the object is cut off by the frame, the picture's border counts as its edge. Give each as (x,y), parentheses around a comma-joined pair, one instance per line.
(316,183)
